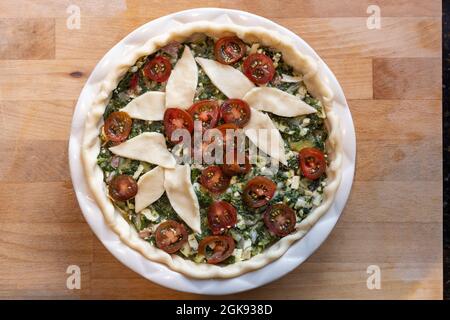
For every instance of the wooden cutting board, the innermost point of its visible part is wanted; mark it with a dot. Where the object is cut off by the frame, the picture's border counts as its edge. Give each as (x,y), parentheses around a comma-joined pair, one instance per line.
(392,80)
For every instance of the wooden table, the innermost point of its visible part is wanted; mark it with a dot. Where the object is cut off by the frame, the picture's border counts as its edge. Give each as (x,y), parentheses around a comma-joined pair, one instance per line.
(391,78)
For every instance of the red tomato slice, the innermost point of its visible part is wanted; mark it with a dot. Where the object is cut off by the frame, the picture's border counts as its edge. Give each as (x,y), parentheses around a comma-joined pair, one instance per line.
(258,192)
(235,111)
(221,216)
(213,179)
(223,248)
(259,68)
(123,187)
(229,50)
(206,111)
(312,163)
(236,168)
(170,236)
(174,119)
(280,219)
(117,126)
(158,69)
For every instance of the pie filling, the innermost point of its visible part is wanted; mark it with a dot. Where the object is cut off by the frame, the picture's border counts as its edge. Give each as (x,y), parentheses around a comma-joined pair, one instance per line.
(242,209)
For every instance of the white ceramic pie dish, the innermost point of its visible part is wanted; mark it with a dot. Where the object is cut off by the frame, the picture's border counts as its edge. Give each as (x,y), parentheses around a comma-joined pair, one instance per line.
(156,272)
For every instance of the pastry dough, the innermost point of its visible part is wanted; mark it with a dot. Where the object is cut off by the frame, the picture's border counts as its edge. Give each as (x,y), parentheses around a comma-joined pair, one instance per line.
(149,106)
(232,82)
(181,194)
(301,63)
(149,147)
(150,188)
(182,83)
(278,102)
(263,133)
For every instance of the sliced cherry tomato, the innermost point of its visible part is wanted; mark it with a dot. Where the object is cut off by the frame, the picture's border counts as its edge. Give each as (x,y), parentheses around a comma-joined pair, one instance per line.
(235,111)
(280,219)
(216,248)
(312,163)
(228,50)
(158,69)
(174,119)
(258,192)
(236,168)
(259,68)
(206,111)
(213,179)
(118,126)
(170,236)
(221,216)
(123,187)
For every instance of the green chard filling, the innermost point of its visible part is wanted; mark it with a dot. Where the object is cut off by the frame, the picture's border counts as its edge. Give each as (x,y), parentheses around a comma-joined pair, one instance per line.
(292,188)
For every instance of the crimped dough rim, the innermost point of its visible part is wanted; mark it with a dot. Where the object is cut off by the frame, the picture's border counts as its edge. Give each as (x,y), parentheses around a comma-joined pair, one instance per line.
(90,147)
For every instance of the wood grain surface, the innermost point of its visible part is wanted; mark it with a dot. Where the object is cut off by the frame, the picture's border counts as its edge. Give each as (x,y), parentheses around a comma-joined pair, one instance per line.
(391,78)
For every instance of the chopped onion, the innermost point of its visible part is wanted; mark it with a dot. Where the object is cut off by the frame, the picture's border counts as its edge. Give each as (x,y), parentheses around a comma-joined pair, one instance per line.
(291,79)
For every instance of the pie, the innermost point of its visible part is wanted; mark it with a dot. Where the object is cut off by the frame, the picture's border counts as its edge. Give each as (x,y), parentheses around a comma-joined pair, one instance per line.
(256,123)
